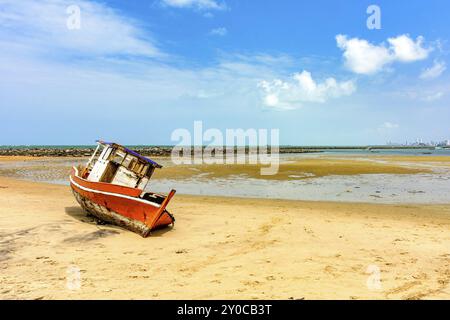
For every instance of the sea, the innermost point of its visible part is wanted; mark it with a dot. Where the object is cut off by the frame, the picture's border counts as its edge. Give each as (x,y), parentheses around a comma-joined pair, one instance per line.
(426,188)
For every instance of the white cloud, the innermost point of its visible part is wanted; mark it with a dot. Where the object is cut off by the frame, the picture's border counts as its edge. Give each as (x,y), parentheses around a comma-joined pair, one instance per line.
(389,125)
(219,32)
(429,97)
(387,128)
(407,50)
(420,92)
(302,88)
(101,71)
(363,57)
(106,64)
(196,4)
(41,26)
(434,71)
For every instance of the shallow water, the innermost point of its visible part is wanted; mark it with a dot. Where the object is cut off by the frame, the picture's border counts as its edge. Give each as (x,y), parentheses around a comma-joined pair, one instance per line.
(379,188)
(375,188)
(392,152)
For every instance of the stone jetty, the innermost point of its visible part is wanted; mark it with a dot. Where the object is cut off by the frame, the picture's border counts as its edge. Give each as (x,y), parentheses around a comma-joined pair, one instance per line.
(77,151)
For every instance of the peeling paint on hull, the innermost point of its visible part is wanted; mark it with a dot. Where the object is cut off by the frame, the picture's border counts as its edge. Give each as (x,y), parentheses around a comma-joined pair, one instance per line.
(133,213)
(110,216)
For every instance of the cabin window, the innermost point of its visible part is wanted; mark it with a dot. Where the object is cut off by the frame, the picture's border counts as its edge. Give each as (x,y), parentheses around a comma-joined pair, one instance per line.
(119,157)
(137,167)
(144,170)
(128,161)
(132,164)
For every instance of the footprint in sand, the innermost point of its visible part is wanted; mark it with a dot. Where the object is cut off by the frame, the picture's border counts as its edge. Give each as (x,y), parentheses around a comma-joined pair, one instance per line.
(359,268)
(331,270)
(309,231)
(405,287)
(250,283)
(420,276)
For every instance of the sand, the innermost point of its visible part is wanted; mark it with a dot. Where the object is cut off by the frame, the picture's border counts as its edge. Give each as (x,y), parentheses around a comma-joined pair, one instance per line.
(289,170)
(26,158)
(226,248)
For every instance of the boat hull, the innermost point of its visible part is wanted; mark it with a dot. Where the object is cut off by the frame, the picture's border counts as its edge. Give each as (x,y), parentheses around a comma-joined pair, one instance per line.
(120,206)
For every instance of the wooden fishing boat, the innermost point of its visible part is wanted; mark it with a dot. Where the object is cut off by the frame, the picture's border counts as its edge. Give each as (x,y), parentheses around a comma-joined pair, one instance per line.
(110,187)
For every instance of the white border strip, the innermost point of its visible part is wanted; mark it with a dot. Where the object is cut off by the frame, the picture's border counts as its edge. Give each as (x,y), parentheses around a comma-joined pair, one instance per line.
(114,194)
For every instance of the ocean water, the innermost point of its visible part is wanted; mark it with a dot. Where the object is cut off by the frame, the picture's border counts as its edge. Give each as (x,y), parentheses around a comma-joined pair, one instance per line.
(392,152)
(368,188)
(373,188)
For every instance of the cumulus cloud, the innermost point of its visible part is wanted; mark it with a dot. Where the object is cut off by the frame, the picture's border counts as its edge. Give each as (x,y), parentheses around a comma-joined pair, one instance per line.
(362,57)
(407,50)
(434,71)
(196,4)
(219,32)
(301,88)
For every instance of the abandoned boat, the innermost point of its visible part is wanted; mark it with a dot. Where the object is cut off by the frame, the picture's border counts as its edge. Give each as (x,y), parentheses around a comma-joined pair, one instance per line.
(110,187)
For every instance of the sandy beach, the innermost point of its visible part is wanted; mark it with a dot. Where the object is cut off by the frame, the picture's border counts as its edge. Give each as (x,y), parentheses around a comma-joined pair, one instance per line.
(222,248)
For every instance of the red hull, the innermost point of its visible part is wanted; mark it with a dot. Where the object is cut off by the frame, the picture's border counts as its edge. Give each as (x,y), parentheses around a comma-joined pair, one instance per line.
(121,205)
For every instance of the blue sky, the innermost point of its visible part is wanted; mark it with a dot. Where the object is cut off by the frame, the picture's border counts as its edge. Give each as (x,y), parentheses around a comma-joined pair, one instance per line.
(134,71)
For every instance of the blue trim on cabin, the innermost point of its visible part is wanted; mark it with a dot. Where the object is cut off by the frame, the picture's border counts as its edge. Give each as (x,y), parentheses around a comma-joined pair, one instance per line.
(134,153)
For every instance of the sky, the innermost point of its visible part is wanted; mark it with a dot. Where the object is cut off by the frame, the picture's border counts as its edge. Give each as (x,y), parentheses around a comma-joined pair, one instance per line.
(322,72)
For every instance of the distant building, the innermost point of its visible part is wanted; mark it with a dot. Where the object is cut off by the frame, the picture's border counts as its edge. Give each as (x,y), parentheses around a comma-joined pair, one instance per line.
(421,143)
(445,143)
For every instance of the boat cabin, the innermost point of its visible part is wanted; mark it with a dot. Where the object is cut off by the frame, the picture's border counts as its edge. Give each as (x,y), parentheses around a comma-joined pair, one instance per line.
(113,163)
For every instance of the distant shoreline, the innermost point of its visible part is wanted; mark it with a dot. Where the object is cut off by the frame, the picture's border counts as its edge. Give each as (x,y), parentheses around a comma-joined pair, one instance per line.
(158,151)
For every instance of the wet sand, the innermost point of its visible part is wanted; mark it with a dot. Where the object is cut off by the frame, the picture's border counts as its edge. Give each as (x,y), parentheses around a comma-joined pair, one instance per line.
(317,166)
(290,168)
(227,248)
(307,177)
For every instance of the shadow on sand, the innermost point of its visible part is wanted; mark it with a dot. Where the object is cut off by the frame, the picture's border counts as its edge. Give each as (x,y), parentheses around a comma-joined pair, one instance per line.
(81,215)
